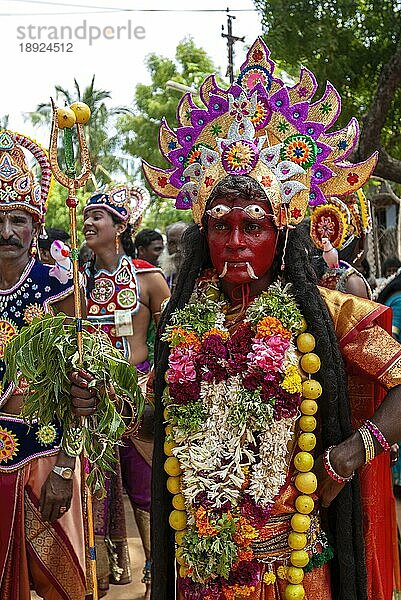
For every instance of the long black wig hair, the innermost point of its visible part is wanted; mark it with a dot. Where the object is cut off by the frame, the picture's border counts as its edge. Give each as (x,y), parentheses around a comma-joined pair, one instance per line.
(344,517)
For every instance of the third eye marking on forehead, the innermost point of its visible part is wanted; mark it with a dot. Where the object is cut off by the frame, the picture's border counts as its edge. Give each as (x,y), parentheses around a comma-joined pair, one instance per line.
(254,211)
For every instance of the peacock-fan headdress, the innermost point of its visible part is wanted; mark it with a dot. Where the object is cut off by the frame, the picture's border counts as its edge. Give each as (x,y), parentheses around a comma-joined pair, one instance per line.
(18,186)
(262,128)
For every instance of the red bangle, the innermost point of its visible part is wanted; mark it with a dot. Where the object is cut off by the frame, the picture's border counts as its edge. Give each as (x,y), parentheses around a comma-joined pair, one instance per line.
(330,471)
(374,430)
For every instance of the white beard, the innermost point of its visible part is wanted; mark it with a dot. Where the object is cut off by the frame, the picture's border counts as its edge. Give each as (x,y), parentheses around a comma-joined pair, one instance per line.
(167,263)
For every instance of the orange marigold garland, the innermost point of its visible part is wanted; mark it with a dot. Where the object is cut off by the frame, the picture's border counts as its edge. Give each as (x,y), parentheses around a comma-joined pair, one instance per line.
(222,384)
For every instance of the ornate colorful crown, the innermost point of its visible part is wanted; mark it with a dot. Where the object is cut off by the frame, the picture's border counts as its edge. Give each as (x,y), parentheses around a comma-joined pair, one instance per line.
(341,219)
(262,128)
(127,202)
(18,188)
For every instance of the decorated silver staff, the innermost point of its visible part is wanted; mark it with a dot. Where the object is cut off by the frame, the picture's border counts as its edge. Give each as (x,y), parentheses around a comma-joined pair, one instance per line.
(66,118)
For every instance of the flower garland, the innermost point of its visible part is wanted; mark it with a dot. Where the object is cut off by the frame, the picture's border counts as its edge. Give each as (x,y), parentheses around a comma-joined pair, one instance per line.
(232,402)
(384,283)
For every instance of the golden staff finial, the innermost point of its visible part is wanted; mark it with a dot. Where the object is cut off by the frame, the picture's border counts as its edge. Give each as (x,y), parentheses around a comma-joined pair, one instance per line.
(66,118)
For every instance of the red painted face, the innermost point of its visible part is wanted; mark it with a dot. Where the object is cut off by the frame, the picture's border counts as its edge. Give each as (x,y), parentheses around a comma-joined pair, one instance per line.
(242,239)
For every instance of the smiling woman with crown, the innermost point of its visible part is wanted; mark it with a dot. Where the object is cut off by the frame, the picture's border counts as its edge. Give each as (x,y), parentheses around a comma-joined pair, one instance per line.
(124,296)
(257,461)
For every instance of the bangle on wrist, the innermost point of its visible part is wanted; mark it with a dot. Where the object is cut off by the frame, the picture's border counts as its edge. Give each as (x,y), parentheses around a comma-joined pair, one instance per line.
(131,422)
(330,470)
(374,430)
(368,444)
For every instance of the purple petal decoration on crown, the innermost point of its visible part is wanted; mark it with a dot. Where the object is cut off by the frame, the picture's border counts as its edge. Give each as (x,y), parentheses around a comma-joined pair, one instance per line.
(217,106)
(297,113)
(316,196)
(199,118)
(177,179)
(177,157)
(235,90)
(321,173)
(185,100)
(184,199)
(280,100)
(323,151)
(314,130)
(260,92)
(186,137)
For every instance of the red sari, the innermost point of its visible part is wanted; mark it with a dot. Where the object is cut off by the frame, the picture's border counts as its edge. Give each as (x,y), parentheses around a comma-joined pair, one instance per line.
(373,363)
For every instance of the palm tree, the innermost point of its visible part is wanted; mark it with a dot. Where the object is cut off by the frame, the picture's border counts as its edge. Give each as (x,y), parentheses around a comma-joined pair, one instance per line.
(4,121)
(102,141)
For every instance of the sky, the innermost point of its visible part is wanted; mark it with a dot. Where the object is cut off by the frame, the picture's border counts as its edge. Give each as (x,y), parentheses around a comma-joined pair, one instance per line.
(109,38)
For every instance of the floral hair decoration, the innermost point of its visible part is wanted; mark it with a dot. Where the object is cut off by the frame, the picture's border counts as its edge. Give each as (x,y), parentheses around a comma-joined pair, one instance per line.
(18,186)
(341,220)
(262,128)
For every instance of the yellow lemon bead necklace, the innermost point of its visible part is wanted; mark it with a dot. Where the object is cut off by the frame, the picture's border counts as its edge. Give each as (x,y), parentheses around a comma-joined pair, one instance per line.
(305,480)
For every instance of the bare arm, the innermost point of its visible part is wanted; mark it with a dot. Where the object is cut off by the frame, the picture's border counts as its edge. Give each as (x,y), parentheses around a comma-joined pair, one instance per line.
(56,492)
(154,290)
(66,305)
(349,456)
(355,285)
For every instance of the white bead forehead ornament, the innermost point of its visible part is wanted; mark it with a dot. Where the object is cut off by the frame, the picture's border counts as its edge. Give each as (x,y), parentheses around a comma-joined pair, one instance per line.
(252,210)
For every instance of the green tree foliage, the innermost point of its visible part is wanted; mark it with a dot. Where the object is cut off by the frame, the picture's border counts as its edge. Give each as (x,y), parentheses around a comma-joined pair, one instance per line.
(152,102)
(139,131)
(4,120)
(102,140)
(355,44)
(57,213)
(162,213)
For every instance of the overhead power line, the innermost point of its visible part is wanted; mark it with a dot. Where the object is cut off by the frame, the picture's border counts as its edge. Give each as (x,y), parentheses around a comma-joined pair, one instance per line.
(112,9)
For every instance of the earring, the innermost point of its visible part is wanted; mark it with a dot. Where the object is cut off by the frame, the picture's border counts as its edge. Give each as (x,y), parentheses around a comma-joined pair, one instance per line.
(117,243)
(34,247)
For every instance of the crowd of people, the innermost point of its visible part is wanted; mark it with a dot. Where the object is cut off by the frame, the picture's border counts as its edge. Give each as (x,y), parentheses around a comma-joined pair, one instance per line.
(268,359)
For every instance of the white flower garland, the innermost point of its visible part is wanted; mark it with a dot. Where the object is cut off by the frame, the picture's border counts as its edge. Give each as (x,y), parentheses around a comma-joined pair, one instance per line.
(270,472)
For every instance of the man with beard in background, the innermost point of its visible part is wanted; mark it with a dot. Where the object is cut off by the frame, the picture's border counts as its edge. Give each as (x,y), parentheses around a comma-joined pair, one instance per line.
(170,259)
